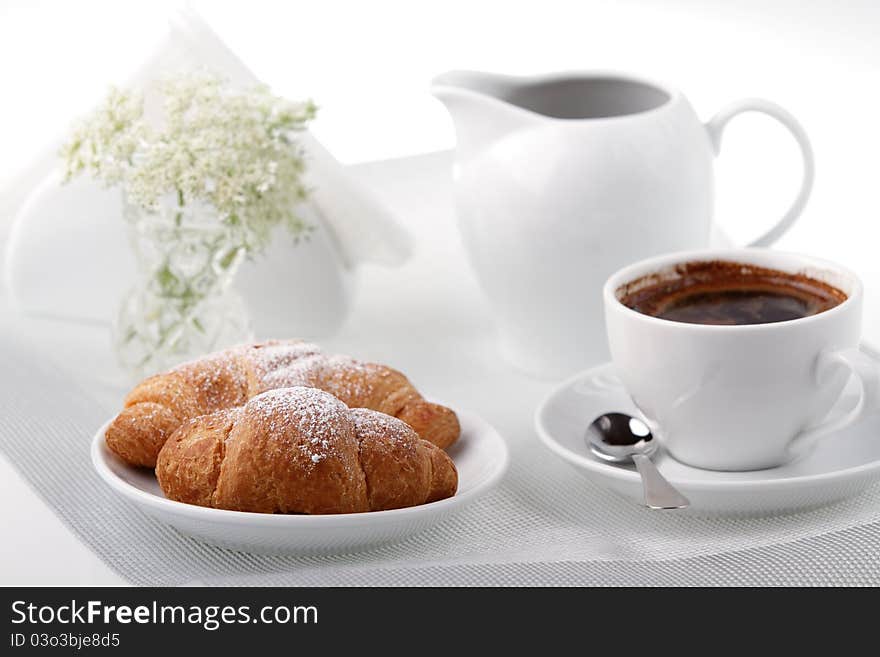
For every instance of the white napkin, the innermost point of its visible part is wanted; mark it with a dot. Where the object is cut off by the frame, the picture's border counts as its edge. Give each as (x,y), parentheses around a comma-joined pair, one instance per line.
(67,253)
(365,230)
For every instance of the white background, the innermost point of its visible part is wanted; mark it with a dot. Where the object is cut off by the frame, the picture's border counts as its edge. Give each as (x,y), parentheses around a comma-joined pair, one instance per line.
(369,64)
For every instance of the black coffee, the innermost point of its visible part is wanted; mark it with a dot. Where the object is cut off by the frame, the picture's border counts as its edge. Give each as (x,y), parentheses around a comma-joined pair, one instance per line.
(720,292)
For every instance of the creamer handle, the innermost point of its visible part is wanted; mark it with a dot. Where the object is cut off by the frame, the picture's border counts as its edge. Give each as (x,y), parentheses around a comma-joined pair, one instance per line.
(716,126)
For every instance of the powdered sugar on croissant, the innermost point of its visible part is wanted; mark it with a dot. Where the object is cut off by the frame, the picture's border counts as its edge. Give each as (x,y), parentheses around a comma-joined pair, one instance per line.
(225,380)
(301,450)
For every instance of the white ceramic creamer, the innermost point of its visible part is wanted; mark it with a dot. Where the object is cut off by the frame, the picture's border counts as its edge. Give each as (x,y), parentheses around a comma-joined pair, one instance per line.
(562,179)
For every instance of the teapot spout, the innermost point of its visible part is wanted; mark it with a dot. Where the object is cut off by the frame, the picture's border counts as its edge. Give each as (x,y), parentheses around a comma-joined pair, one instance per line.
(479,106)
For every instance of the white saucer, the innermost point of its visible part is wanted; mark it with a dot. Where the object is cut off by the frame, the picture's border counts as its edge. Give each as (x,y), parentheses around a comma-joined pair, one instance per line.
(480,456)
(840,466)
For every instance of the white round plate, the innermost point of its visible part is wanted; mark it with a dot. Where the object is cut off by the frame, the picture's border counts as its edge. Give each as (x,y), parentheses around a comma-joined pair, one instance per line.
(480,456)
(840,466)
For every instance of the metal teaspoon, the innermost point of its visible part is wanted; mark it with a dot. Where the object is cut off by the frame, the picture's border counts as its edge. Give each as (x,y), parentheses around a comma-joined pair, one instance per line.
(621,438)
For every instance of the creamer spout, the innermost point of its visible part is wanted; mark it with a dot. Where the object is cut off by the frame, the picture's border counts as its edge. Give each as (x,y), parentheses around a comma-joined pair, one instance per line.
(480,107)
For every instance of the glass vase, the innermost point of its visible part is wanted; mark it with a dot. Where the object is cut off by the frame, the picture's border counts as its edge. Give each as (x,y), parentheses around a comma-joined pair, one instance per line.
(183,304)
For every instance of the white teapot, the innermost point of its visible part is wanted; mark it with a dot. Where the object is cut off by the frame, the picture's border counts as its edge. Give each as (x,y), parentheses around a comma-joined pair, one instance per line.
(562,179)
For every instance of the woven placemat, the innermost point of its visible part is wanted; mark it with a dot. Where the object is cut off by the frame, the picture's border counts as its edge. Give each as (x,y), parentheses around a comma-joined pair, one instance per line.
(529,531)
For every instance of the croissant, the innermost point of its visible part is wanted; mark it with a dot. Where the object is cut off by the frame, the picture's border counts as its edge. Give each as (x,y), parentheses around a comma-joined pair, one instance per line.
(160,404)
(301,450)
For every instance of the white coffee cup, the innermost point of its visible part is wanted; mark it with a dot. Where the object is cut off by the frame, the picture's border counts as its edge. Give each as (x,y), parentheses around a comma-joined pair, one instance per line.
(742,397)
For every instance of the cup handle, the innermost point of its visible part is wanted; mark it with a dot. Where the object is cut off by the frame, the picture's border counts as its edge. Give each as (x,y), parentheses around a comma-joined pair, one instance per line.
(866,370)
(715,128)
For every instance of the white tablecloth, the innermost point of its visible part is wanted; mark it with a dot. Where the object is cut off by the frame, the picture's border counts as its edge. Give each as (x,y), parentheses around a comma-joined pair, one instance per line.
(544,525)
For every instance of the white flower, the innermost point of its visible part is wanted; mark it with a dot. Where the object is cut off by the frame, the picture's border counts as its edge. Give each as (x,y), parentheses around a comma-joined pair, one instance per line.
(233,150)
